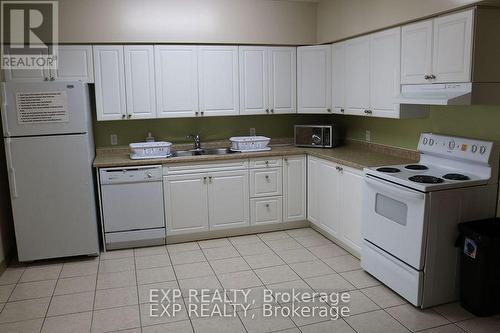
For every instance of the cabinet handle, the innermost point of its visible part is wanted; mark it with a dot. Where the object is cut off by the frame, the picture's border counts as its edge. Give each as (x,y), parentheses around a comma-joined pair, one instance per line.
(52,78)
(286,160)
(368,111)
(342,110)
(267,205)
(267,110)
(210,179)
(272,110)
(45,78)
(123,116)
(329,110)
(267,178)
(204,180)
(129,116)
(202,112)
(196,113)
(433,77)
(427,77)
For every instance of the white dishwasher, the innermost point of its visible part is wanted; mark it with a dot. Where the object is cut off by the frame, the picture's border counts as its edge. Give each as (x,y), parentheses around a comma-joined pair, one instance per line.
(132,206)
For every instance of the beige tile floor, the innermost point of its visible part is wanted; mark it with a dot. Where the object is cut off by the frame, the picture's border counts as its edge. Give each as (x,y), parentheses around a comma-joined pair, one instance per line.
(110,293)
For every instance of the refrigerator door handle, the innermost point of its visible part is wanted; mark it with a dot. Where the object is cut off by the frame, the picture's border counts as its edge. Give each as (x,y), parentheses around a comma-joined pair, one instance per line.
(10,169)
(3,111)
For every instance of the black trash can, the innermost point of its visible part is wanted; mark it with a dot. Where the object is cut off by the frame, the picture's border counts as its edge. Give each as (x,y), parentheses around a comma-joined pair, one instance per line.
(480,266)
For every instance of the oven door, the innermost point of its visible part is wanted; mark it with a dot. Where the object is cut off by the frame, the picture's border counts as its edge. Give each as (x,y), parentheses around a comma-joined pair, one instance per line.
(395,220)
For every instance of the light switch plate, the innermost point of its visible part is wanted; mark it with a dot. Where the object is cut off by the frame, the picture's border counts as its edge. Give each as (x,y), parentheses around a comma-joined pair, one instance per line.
(114,139)
(368,135)
(252,131)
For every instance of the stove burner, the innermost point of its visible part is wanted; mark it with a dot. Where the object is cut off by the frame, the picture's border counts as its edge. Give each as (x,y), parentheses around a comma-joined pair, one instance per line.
(389,170)
(426,179)
(416,167)
(455,176)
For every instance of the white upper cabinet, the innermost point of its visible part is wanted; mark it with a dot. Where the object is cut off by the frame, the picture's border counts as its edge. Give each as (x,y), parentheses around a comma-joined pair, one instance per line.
(109,73)
(140,81)
(75,63)
(254,80)
(267,80)
(416,52)
(176,68)
(452,55)
(357,75)
(338,77)
(314,80)
(438,50)
(218,80)
(385,81)
(282,79)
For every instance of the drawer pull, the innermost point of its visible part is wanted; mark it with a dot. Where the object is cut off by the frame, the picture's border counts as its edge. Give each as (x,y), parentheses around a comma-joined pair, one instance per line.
(267,205)
(267,178)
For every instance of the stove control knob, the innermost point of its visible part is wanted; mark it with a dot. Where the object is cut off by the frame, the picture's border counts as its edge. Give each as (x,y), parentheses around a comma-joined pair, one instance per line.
(482,150)
(451,145)
(425,141)
(474,149)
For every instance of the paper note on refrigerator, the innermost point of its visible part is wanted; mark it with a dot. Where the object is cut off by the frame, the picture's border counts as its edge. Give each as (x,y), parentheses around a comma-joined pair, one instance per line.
(42,107)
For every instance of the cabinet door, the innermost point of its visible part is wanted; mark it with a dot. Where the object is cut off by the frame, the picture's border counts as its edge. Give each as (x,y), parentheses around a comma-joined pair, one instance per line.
(266,210)
(351,201)
(228,199)
(176,68)
(282,79)
(453,47)
(314,81)
(338,77)
(266,182)
(109,74)
(27,75)
(357,75)
(385,74)
(218,80)
(416,52)
(313,190)
(140,81)
(186,203)
(294,188)
(75,63)
(253,80)
(328,197)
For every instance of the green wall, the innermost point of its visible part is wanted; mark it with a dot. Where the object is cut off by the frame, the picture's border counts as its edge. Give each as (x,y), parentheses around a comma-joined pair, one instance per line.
(480,122)
(210,128)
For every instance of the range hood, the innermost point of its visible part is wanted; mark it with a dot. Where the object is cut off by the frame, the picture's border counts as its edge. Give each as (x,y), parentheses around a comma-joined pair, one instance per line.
(468,93)
(436,94)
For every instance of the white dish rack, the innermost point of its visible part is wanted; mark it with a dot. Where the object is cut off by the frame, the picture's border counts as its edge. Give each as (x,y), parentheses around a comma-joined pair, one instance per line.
(146,150)
(249,143)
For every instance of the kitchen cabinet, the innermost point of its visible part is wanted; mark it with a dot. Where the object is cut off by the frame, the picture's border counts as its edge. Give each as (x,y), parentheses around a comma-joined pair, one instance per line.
(267,79)
(265,182)
(366,75)
(228,199)
(206,201)
(334,197)
(176,69)
(294,188)
(109,73)
(438,50)
(357,75)
(314,79)
(140,81)
(266,210)
(74,63)
(218,80)
(186,203)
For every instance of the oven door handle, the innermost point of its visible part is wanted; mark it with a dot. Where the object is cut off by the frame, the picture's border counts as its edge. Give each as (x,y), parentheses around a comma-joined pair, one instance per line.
(394,189)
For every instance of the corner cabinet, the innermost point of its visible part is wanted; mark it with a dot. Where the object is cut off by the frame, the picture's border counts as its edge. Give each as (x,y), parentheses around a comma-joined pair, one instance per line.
(218,80)
(438,50)
(314,80)
(267,80)
(335,193)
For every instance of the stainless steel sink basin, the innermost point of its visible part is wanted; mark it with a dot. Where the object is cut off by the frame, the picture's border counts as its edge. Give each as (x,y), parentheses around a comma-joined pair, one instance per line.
(210,151)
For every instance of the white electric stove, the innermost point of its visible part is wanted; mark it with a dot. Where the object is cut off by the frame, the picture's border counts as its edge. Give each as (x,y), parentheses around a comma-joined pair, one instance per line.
(411,212)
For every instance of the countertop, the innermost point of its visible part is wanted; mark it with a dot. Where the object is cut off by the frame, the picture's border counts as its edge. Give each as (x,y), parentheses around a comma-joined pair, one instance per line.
(353,154)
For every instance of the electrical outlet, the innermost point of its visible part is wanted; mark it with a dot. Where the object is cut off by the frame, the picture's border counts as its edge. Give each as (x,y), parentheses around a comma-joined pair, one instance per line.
(368,135)
(114,139)
(252,131)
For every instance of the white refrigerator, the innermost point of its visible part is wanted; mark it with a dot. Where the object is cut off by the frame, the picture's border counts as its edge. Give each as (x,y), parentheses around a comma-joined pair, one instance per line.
(47,130)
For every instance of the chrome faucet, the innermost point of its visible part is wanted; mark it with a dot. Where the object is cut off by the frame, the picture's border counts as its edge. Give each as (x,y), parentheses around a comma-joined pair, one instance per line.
(196,141)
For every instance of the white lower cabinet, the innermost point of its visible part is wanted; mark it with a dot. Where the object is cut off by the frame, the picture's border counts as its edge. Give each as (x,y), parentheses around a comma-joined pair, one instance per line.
(265,182)
(266,210)
(196,202)
(334,200)
(186,203)
(294,188)
(228,199)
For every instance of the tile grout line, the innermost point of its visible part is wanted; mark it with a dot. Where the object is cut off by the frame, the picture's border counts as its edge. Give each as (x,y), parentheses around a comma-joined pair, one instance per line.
(51,298)
(137,290)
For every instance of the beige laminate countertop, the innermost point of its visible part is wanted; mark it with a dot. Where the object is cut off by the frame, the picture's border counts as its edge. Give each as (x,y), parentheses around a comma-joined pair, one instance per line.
(356,155)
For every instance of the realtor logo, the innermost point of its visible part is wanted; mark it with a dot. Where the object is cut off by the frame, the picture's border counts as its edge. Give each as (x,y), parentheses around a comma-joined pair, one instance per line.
(29,34)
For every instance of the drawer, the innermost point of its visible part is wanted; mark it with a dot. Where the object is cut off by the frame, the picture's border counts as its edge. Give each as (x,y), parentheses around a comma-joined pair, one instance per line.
(194,167)
(266,210)
(266,182)
(273,162)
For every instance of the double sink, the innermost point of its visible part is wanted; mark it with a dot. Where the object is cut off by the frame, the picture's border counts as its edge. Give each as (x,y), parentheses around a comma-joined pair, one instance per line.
(197,152)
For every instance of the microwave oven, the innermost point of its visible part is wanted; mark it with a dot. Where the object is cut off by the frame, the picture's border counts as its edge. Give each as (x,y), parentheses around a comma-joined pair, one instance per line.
(320,136)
